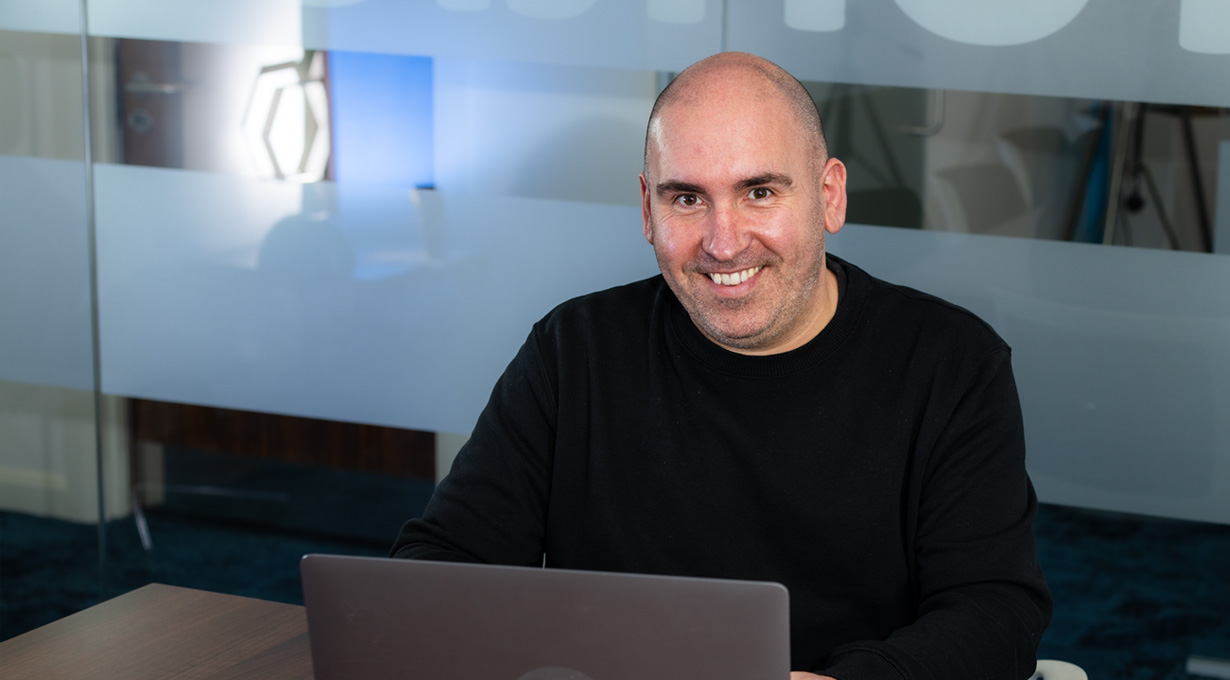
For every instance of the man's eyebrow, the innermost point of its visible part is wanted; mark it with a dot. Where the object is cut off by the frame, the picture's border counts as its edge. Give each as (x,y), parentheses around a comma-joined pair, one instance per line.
(672,187)
(766,178)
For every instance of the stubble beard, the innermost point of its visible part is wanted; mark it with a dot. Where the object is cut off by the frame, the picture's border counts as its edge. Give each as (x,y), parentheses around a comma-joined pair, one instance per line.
(705,314)
(793,307)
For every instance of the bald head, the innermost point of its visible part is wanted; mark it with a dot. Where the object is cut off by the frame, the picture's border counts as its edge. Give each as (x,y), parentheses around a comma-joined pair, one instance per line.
(733,75)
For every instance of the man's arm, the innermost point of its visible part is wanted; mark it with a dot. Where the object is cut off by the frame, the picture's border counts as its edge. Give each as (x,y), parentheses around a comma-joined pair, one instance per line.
(983,602)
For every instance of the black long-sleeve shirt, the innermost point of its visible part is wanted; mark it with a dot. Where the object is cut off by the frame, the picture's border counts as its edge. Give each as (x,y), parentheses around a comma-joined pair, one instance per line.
(878,472)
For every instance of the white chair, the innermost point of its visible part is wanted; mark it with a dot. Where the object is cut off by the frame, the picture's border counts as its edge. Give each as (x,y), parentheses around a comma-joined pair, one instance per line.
(1049,669)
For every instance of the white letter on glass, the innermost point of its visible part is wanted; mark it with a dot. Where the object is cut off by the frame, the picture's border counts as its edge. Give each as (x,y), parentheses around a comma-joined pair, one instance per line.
(1204,26)
(550,9)
(464,5)
(816,15)
(993,23)
(677,11)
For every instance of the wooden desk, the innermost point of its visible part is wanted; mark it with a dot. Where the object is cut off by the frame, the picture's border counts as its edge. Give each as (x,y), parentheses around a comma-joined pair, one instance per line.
(166,632)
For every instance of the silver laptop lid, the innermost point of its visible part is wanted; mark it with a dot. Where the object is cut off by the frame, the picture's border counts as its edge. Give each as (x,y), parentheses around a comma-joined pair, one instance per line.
(391,618)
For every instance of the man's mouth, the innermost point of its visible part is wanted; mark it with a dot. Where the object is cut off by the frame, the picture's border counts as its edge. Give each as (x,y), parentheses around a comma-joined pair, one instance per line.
(735,278)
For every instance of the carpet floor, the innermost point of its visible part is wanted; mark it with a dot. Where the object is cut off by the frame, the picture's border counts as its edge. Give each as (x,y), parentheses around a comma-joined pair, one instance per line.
(1135,596)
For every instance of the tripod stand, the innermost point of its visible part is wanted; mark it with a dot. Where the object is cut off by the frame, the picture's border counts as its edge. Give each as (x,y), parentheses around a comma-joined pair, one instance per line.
(1134,174)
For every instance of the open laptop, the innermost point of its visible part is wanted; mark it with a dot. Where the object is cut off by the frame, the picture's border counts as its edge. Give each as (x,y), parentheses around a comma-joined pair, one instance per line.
(390,618)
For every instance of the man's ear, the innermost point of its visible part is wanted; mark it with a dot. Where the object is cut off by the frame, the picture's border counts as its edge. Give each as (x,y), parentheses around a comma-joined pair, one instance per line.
(833,185)
(645,221)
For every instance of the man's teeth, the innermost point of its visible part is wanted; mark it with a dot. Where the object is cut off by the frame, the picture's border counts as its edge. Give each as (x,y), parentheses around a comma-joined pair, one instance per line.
(736,278)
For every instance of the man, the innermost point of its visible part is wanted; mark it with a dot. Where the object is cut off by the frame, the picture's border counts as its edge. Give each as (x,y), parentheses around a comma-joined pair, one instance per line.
(763,411)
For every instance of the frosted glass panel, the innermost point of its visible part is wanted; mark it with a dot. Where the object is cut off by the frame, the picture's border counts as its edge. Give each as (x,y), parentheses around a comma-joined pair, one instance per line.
(247,294)
(42,16)
(650,34)
(1173,52)
(366,299)
(252,22)
(1120,356)
(277,297)
(557,132)
(44,273)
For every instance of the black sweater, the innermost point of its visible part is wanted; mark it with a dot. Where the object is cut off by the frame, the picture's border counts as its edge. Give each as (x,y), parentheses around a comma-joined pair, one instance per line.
(878,472)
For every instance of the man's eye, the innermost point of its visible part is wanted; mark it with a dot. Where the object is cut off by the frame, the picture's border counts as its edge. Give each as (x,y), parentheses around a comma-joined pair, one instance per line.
(759,193)
(688,200)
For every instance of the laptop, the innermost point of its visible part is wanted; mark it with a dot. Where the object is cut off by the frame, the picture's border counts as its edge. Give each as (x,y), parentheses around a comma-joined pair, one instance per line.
(372,617)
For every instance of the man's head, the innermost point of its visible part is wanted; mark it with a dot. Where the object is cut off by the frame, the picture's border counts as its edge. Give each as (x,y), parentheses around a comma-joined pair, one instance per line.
(737,194)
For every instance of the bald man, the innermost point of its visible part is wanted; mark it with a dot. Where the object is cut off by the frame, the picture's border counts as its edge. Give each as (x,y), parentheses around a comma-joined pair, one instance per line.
(765,411)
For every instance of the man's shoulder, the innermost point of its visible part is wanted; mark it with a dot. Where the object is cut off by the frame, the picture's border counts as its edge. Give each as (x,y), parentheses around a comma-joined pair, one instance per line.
(913,310)
(615,308)
(623,294)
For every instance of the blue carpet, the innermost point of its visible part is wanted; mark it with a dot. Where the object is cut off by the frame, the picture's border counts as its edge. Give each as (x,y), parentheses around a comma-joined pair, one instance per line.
(227,524)
(50,568)
(1135,595)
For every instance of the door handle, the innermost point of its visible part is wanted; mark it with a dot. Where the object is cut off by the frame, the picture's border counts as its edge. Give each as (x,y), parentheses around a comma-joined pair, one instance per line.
(140,84)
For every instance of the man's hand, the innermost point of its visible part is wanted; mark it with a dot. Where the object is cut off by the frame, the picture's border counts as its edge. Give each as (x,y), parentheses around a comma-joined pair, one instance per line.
(800,675)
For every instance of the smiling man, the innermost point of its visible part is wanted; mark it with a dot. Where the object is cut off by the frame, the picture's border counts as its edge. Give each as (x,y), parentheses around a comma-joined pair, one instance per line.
(764,411)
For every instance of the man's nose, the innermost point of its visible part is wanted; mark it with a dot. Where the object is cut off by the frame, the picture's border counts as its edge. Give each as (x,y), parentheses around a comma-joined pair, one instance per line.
(725,237)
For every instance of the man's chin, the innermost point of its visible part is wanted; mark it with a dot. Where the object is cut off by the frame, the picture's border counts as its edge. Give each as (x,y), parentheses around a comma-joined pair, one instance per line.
(740,338)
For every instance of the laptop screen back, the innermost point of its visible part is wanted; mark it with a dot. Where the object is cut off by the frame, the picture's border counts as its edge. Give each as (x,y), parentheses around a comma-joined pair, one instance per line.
(387,618)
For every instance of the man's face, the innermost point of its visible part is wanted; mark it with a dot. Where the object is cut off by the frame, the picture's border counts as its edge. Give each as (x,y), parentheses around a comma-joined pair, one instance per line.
(736,204)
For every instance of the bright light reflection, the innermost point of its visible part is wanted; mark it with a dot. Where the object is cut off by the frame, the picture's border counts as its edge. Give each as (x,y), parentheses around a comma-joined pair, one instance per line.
(286,124)
(287,129)
(255,119)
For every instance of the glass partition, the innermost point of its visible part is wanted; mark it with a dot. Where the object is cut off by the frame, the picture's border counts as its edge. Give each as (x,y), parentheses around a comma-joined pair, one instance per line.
(285,262)
(49,426)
